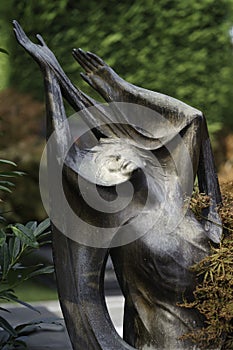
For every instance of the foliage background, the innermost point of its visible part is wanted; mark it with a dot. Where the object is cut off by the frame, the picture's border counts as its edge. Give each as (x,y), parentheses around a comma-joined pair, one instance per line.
(177,47)
(180,48)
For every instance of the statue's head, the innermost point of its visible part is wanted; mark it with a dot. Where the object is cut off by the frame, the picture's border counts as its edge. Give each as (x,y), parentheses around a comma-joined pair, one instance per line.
(111,162)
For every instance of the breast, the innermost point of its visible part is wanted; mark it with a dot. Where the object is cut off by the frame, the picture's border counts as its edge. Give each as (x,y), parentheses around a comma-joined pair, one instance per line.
(158,265)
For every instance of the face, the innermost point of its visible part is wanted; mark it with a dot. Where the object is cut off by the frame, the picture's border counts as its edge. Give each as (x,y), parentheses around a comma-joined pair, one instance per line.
(113,163)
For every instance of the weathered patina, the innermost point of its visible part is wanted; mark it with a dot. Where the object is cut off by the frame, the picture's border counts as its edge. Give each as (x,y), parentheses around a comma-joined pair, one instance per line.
(153,270)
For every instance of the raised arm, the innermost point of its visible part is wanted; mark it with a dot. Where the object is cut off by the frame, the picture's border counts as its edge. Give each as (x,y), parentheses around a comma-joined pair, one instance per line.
(45,58)
(183,119)
(75,97)
(79,268)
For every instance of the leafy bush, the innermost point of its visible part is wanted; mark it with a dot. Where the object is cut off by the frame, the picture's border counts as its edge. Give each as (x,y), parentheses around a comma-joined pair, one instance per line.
(5,184)
(16,242)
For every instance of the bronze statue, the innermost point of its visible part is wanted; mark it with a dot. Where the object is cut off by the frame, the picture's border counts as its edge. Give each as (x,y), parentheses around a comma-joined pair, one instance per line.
(160,160)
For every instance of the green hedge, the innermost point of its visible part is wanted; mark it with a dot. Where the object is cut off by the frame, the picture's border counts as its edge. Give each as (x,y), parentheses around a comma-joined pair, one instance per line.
(181,48)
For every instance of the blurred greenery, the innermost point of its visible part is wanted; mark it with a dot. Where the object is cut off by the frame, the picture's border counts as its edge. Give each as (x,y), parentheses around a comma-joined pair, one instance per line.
(31,291)
(17,242)
(179,48)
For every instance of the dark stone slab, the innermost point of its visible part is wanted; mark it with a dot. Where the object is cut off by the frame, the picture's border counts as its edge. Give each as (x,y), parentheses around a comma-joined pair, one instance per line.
(49,337)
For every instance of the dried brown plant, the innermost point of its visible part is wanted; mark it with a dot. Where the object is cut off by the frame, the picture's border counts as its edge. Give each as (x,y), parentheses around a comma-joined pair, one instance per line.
(213,296)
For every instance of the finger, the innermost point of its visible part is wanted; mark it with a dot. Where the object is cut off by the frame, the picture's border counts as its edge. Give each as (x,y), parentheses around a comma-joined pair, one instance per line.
(80,56)
(41,40)
(96,60)
(86,78)
(19,33)
(82,59)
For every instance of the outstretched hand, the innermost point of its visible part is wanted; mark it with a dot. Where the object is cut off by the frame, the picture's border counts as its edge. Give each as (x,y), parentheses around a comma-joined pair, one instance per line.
(40,52)
(24,40)
(88,60)
(91,63)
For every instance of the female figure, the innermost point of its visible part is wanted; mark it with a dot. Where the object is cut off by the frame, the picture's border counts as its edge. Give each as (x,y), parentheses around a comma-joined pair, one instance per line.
(161,159)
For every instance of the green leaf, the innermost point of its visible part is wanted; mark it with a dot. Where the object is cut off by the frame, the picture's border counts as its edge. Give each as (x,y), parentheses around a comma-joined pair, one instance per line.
(14,247)
(2,237)
(4,51)
(4,259)
(8,183)
(44,225)
(19,274)
(45,242)
(6,294)
(11,297)
(5,310)
(26,329)
(31,225)
(7,327)
(42,271)
(25,230)
(11,173)
(25,235)
(31,326)
(5,161)
(29,306)
(4,188)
